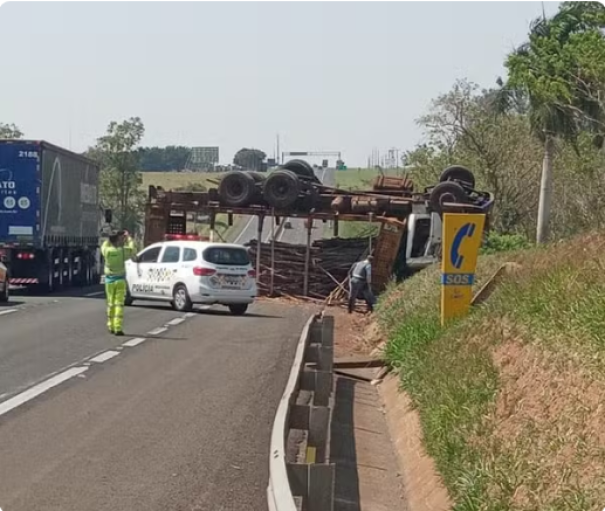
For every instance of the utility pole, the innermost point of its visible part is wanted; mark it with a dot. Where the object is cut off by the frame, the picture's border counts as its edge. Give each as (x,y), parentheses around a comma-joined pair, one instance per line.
(542,228)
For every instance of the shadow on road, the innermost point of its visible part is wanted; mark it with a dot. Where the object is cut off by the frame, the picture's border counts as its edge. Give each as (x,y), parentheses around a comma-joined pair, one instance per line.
(343,450)
(97,291)
(215,312)
(10,303)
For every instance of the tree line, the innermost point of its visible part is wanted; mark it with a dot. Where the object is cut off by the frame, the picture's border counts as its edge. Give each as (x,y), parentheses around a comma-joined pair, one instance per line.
(535,139)
(122,160)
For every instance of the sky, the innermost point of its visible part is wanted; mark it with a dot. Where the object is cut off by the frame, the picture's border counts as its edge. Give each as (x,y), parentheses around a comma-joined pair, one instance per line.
(326,76)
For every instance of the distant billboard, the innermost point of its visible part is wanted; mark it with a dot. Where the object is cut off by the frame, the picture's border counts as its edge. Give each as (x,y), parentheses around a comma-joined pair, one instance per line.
(203,158)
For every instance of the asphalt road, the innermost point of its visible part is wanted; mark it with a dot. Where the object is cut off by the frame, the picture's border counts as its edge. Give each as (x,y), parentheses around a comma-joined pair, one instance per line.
(175,415)
(298,233)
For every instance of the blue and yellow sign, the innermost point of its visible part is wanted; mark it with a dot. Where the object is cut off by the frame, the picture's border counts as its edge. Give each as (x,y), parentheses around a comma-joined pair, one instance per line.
(461,240)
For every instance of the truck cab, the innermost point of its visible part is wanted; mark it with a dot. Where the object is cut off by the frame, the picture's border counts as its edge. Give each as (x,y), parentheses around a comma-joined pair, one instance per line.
(423,240)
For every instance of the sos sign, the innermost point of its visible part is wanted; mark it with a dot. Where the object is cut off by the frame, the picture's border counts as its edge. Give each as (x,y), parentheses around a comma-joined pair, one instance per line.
(457,279)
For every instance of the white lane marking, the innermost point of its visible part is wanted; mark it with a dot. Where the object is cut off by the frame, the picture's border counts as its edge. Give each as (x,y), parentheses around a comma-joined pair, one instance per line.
(105,356)
(191,314)
(35,391)
(96,293)
(134,342)
(7,311)
(157,331)
(242,232)
(175,321)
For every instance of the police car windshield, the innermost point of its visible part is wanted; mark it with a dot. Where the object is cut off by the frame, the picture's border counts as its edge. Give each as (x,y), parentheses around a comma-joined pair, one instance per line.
(226,256)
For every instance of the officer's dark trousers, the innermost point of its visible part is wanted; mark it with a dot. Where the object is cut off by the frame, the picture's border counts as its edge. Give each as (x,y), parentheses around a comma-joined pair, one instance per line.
(357,287)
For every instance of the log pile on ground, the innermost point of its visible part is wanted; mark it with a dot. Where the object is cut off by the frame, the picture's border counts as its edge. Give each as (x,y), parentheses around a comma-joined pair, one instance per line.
(330,261)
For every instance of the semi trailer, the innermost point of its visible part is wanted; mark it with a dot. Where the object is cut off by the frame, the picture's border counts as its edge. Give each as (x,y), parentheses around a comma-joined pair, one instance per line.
(50,215)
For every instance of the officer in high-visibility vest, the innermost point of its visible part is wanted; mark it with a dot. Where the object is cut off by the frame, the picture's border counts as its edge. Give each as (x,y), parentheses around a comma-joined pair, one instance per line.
(116,251)
(360,282)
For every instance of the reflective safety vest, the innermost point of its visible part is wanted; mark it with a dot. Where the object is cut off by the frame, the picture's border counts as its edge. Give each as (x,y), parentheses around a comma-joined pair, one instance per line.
(116,257)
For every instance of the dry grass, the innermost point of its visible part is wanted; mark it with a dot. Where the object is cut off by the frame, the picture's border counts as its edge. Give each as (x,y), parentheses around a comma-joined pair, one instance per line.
(173,180)
(511,398)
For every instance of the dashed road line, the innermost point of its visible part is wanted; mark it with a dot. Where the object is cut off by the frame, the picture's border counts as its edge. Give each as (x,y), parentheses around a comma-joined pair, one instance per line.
(107,355)
(42,387)
(157,331)
(134,342)
(78,370)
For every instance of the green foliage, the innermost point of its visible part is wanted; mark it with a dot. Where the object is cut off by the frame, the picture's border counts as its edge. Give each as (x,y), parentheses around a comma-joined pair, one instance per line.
(497,242)
(10,131)
(251,159)
(120,179)
(561,69)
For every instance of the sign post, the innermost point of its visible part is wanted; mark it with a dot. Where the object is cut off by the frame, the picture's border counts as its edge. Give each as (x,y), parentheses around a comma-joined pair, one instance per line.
(461,240)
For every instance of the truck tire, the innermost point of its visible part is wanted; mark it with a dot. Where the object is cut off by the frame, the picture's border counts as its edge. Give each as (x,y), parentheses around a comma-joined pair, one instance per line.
(448,191)
(5,295)
(300,168)
(460,174)
(237,189)
(257,176)
(281,189)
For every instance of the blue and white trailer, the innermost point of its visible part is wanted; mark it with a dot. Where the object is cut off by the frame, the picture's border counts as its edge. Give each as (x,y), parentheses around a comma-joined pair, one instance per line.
(49,215)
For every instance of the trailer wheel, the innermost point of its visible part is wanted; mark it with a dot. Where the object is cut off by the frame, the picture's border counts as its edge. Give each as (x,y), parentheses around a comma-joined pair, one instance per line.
(447,191)
(460,174)
(281,189)
(237,189)
(300,168)
(257,176)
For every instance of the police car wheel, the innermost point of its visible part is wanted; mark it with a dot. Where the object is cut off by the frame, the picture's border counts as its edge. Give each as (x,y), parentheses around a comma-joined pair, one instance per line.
(128,300)
(238,309)
(180,299)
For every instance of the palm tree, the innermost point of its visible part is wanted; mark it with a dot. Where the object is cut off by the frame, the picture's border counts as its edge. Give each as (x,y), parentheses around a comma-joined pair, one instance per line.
(560,72)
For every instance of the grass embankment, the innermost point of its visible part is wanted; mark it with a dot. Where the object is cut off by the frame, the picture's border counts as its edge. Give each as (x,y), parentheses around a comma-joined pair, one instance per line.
(510,398)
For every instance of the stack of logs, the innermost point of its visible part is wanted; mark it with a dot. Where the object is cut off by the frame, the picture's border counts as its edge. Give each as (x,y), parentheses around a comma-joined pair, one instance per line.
(329,264)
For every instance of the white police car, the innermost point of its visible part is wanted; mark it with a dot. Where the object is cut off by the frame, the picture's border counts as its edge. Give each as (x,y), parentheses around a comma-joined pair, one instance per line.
(185,271)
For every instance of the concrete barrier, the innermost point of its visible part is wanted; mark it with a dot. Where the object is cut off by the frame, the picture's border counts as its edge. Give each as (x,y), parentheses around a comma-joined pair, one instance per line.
(300,474)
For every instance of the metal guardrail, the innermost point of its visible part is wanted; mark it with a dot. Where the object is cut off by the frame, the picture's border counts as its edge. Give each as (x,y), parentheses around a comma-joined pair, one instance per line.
(305,412)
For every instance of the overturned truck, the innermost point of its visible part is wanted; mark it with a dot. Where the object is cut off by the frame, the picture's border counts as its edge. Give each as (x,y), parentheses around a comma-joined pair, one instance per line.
(409,237)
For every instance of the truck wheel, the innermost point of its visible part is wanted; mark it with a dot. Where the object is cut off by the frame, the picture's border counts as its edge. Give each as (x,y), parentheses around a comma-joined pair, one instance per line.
(238,309)
(4,297)
(281,189)
(300,168)
(460,174)
(237,189)
(257,176)
(180,299)
(448,191)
